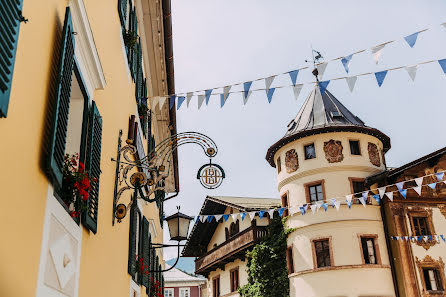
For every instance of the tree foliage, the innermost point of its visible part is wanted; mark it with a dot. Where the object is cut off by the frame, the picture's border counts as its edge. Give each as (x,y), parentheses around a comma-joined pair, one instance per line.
(267,268)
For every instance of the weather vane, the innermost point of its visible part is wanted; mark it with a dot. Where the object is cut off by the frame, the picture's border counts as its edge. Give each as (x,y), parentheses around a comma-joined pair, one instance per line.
(316,59)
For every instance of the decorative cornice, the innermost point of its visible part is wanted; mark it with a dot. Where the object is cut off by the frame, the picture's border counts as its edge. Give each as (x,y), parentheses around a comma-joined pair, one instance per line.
(325,170)
(442,208)
(341,267)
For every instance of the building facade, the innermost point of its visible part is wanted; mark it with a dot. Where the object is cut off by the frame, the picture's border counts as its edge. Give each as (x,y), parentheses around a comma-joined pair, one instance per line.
(74,73)
(220,245)
(181,284)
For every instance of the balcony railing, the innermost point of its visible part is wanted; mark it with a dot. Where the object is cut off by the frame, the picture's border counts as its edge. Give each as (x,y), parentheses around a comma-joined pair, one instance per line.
(233,248)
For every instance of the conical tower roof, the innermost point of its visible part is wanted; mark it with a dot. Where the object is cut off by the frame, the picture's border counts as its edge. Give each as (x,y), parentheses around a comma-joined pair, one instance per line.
(323,113)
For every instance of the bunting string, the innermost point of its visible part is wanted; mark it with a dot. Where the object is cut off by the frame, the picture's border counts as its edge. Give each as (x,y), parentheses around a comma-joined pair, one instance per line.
(335,202)
(376,52)
(425,238)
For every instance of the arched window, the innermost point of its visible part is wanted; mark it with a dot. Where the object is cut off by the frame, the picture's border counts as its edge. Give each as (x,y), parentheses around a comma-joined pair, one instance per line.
(234,228)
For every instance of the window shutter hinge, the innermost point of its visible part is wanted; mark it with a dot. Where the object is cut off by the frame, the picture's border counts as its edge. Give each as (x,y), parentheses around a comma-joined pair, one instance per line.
(22,18)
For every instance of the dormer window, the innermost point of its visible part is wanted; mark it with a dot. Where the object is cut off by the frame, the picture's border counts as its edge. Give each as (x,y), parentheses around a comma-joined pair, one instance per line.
(336,114)
(310,152)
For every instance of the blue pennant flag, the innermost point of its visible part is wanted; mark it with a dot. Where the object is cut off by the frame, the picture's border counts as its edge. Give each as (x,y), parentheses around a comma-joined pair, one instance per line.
(394,238)
(303,210)
(197,219)
(323,86)
(269,94)
(225,217)
(180,101)
(207,94)
(380,76)
(443,65)
(349,203)
(432,185)
(209,219)
(442,237)
(346,62)
(293,75)
(281,210)
(171,101)
(246,87)
(431,238)
(222,100)
(411,39)
(403,192)
(376,197)
(439,176)
(325,206)
(243,215)
(419,238)
(261,213)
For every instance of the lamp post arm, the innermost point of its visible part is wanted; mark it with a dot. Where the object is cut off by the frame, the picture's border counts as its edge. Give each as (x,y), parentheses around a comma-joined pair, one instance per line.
(174,264)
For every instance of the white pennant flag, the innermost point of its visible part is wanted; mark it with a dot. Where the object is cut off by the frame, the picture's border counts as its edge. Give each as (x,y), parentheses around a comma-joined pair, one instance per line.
(296,91)
(234,217)
(425,238)
(381,192)
(351,81)
(269,81)
(226,92)
(162,100)
(321,69)
(313,207)
(437,238)
(200,100)
(349,198)
(252,214)
(390,195)
(377,51)
(361,199)
(217,217)
(407,238)
(412,71)
(202,218)
(271,213)
(318,204)
(419,181)
(292,210)
(337,204)
(188,97)
(245,100)
(417,189)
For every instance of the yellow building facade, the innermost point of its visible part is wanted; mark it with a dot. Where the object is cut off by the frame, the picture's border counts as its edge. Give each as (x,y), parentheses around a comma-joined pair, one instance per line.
(73,76)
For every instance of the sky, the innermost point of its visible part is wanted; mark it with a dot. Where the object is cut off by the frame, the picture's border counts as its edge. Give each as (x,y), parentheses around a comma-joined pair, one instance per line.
(218,43)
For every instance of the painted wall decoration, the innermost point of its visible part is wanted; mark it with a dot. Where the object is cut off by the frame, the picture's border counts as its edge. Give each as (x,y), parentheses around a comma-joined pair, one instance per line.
(291,161)
(374,154)
(333,151)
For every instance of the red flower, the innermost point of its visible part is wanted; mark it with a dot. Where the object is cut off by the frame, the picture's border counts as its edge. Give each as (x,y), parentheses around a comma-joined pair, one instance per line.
(76,185)
(74,214)
(81,167)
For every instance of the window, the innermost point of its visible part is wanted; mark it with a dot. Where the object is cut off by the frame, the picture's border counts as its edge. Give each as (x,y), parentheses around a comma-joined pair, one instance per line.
(279,165)
(234,228)
(369,250)
(432,279)
(216,286)
(316,193)
(284,199)
(289,259)
(184,292)
(310,152)
(420,226)
(322,253)
(234,279)
(357,187)
(168,292)
(10,18)
(354,147)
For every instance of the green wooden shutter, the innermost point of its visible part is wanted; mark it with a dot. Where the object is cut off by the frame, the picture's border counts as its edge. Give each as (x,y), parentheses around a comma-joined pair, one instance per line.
(9,35)
(157,264)
(93,166)
(146,242)
(61,106)
(132,239)
(139,74)
(162,282)
(122,10)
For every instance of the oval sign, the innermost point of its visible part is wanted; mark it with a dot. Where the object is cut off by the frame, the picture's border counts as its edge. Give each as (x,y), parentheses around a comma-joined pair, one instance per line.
(211,175)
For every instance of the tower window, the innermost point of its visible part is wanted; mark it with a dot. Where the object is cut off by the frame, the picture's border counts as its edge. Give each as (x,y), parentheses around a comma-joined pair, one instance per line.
(369,250)
(284,199)
(354,147)
(234,279)
(289,259)
(316,193)
(216,287)
(432,279)
(279,165)
(310,152)
(420,226)
(322,252)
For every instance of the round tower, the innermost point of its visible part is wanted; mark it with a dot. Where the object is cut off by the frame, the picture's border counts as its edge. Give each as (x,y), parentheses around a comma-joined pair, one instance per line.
(327,153)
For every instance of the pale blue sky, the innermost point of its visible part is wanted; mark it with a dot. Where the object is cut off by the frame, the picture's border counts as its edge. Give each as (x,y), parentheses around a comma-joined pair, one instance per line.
(218,43)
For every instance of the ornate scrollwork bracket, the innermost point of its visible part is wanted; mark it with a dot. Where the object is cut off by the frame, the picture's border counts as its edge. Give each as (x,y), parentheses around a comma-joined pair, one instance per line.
(147,174)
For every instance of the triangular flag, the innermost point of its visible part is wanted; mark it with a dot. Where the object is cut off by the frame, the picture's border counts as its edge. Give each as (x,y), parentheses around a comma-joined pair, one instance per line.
(303,211)
(425,238)
(234,216)
(394,238)
(406,237)
(252,214)
(243,215)
(364,195)
(432,185)
(443,65)
(437,238)
(381,192)
(246,91)
(202,218)
(380,76)
(325,206)
(323,86)
(376,197)
(200,100)
(225,217)
(351,81)
(419,238)
(313,207)
(439,176)
(271,213)
(332,202)
(402,238)
(280,210)
(180,101)
(218,217)
(292,210)
(361,199)
(171,101)
(208,93)
(411,39)
(412,238)
(269,81)
(442,237)
(209,219)
(269,94)
(390,195)
(197,218)
(321,69)
(296,91)
(318,204)
(188,98)
(417,189)
(162,101)
(400,185)
(293,75)
(346,62)
(412,71)
(376,52)
(419,181)
(404,193)
(261,213)
(225,95)
(337,204)
(349,198)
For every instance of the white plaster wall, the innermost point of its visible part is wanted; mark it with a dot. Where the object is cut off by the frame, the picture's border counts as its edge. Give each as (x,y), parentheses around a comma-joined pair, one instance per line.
(225,279)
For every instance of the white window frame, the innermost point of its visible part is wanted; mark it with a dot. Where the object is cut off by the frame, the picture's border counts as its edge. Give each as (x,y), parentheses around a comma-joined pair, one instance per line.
(168,292)
(182,292)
